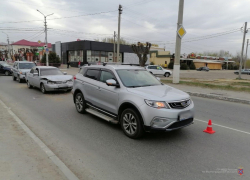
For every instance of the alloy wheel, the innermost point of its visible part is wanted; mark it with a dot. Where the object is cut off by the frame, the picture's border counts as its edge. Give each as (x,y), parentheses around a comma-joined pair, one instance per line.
(79,103)
(129,123)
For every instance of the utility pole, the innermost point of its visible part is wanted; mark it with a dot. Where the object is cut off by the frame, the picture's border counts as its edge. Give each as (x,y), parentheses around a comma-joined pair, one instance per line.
(241,58)
(8,47)
(119,23)
(46,42)
(176,72)
(246,55)
(114,46)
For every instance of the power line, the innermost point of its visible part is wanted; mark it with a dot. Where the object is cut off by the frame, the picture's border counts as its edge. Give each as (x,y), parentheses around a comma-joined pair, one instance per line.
(62,17)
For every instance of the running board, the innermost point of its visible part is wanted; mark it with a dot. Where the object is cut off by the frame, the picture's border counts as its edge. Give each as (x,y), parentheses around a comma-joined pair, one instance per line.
(100,115)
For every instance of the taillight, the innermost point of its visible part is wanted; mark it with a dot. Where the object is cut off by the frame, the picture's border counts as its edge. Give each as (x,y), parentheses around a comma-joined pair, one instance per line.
(74,77)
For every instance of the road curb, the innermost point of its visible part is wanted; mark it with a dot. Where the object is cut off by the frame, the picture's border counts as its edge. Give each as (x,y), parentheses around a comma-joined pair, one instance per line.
(218,97)
(65,170)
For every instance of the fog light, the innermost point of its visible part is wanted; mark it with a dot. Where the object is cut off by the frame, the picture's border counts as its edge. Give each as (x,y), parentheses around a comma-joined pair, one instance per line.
(160,122)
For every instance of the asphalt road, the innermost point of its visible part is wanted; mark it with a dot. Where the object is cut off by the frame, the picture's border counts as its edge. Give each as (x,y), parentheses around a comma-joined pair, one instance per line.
(95,149)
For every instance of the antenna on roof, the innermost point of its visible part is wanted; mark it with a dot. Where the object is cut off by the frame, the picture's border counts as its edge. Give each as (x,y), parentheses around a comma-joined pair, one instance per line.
(104,64)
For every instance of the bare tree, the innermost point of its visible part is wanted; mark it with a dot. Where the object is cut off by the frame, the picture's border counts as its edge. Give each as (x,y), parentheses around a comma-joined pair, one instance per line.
(141,52)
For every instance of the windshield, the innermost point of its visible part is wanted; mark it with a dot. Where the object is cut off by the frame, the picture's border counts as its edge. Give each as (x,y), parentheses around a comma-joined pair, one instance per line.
(137,78)
(48,72)
(26,65)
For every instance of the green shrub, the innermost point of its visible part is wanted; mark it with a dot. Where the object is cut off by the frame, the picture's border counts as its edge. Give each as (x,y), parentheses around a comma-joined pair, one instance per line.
(192,66)
(184,66)
(53,59)
(171,65)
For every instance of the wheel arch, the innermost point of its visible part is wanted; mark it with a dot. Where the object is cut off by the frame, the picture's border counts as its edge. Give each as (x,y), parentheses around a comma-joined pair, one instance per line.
(127,105)
(75,92)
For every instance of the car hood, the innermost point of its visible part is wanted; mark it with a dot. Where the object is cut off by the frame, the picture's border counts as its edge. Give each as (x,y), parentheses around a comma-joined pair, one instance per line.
(7,67)
(24,70)
(160,93)
(58,77)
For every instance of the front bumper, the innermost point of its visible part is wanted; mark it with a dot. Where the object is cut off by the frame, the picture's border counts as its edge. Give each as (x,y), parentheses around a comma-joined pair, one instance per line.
(22,76)
(174,126)
(171,115)
(58,87)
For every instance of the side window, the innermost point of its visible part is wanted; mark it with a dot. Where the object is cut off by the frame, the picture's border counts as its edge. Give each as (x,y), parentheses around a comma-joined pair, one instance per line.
(159,68)
(92,73)
(82,70)
(105,75)
(153,67)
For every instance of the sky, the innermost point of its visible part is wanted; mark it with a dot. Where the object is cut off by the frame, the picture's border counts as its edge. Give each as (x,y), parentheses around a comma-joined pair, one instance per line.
(210,26)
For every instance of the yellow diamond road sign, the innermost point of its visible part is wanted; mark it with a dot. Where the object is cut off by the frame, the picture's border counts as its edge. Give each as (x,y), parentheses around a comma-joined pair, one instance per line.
(181,31)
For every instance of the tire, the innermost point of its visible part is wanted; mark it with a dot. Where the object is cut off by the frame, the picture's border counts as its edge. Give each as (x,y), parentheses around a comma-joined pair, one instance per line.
(42,88)
(80,103)
(19,80)
(167,74)
(13,77)
(29,86)
(131,124)
(7,73)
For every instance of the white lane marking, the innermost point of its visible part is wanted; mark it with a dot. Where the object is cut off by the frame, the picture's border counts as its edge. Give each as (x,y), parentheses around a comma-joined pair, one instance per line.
(65,170)
(224,127)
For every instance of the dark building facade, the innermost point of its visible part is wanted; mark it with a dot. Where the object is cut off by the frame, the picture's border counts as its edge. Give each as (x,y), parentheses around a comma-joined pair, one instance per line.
(90,52)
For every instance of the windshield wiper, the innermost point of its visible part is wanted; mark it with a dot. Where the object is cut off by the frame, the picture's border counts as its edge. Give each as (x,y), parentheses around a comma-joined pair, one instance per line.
(134,86)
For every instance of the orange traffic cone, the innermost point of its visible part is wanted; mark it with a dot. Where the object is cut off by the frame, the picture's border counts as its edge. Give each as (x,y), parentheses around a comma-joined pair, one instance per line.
(209,127)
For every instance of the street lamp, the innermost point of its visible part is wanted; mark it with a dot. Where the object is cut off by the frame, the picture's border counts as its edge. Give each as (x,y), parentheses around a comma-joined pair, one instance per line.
(45,24)
(8,43)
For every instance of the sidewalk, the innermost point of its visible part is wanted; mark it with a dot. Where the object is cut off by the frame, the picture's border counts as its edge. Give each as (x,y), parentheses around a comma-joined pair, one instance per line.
(21,158)
(233,96)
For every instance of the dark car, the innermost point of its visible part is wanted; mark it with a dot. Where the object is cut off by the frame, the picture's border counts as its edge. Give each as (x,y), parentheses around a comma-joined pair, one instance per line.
(203,69)
(5,69)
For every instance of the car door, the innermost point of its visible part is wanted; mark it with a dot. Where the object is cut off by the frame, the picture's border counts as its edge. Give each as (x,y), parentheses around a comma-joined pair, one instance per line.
(153,69)
(29,76)
(36,78)
(160,70)
(107,95)
(90,85)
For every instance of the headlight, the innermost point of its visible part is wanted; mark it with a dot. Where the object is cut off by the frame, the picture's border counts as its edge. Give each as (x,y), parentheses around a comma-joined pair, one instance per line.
(70,81)
(51,82)
(21,72)
(158,122)
(156,104)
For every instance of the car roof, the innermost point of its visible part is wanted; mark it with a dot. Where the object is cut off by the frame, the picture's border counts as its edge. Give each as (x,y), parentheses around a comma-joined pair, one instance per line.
(24,62)
(114,67)
(45,67)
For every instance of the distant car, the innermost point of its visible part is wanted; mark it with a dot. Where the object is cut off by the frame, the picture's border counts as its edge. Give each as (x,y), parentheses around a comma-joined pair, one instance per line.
(49,78)
(243,71)
(5,68)
(20,68)
(203,69)
(158,70)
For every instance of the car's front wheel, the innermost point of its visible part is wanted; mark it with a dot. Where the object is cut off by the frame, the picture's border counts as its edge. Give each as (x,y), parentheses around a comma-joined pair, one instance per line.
(13,77)
(80,103)
(7,73)
(19,79)
(131,124)
(167,74)
(29,86)
(42,88)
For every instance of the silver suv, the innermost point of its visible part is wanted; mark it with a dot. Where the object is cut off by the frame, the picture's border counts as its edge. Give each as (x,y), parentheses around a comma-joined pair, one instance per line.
(20,68)
(133,97)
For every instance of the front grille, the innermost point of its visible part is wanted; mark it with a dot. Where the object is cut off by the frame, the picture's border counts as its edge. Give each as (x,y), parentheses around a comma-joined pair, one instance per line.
(180,105)
(60,82)
(180,124)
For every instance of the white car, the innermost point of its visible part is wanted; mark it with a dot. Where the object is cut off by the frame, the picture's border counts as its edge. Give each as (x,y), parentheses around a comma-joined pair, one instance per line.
(49,78)
(158,70)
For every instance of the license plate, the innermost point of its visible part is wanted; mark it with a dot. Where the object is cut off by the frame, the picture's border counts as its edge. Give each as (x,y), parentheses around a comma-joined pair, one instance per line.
(62,86)
(185,115)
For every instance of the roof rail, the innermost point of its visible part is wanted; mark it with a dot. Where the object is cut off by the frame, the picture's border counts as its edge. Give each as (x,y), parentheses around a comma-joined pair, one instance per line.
(131,64)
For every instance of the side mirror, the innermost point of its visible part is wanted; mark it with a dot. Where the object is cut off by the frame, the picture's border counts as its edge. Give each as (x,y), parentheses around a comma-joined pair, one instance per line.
(64,73)
(35,74)
(112,82)
(159,79)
